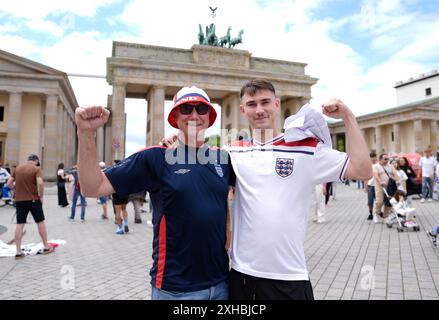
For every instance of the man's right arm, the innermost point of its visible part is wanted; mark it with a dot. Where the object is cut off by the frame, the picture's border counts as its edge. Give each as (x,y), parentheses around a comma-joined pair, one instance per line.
(93,181)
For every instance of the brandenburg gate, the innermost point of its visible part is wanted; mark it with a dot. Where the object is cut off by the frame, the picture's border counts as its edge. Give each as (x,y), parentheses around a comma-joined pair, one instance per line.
(156,73)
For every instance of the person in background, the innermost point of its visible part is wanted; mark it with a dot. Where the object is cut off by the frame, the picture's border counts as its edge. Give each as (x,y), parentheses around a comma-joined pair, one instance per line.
(402,175)
(29,193)
(428,165)
(370,187)
(103,199)
(76,194)
(61,186)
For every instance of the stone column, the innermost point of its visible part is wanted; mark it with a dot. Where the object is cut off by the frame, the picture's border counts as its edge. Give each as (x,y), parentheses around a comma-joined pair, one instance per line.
(334,141)
(156,114)
(118,121)
(14,128)
(100,144)
(59,132)
(417,130)
(434,135)
(51,151)
(70,145)
(379,140)
(65,137)
(396,138)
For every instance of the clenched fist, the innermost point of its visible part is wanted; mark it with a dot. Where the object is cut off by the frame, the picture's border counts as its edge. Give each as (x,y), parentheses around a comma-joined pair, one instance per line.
(88,119)
(335,108)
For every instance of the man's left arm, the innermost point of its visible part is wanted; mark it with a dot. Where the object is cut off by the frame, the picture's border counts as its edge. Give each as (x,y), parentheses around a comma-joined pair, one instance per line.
(10,183)
(359,166)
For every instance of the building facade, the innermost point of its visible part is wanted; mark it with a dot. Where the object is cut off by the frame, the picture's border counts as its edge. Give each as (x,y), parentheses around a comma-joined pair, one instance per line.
(37,106)
(411,126)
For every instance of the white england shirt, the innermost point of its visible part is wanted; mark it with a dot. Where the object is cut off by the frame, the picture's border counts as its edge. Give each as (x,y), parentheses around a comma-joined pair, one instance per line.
(271,204)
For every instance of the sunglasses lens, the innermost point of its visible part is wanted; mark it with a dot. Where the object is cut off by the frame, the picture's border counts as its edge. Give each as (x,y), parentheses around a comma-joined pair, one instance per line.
(202,109)
(186,109)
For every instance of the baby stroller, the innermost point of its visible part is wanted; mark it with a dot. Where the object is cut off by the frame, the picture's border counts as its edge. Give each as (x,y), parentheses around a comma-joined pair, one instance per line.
(404,218)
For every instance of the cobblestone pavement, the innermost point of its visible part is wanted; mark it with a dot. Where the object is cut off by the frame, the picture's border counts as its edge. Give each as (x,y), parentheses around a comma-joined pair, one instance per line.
(348,257)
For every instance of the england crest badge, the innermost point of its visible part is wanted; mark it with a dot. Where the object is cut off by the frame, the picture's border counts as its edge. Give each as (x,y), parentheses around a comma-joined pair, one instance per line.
(219,170)
(284,167)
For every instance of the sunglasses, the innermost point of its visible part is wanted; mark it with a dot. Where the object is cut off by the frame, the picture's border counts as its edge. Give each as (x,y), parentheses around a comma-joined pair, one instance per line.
(201,108)
(386,159)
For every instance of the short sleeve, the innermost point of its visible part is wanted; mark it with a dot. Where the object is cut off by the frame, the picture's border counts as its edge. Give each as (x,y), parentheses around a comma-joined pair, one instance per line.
(139,172)
(329,164)
(39,172)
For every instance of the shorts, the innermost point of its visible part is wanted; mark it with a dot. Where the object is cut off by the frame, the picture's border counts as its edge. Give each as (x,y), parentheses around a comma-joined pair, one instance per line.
(103,199)
(118,200)
(34,206)
(246,287)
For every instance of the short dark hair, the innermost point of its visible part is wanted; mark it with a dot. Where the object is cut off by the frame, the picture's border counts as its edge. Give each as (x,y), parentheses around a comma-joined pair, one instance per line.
(33,157)
(256,85)
(372,154)
(382,155)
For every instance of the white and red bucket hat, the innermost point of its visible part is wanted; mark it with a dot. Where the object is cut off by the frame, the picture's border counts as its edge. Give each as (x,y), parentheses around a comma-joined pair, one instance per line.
(190,95)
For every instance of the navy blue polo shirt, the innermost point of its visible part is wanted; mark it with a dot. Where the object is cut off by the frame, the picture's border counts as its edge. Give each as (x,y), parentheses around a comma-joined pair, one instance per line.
(188,189)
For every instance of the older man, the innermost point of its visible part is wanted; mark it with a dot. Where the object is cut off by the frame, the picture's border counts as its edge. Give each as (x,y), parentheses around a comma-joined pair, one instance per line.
(188,186)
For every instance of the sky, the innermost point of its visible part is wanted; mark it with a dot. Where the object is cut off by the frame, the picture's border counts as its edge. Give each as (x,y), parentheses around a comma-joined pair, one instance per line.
(357,49)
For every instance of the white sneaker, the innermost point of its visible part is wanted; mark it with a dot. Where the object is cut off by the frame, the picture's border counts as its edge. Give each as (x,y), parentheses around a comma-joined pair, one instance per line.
(422,200)
(375,218)
(321,220)
(429,200)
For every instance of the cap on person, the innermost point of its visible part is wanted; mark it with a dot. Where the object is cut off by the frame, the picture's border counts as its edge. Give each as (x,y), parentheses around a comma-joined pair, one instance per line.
(102,164)
(190,95)
(33,157)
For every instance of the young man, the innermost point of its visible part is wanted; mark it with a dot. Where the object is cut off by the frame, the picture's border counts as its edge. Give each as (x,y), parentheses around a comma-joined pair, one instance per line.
(427,164)
(29,192)
(189,196)
(274,182)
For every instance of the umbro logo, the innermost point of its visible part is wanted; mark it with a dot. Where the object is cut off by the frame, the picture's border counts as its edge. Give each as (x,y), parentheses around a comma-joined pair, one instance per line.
(182,171)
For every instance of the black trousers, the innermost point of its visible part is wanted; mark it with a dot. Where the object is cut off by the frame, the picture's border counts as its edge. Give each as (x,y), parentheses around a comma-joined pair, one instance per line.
(245,287)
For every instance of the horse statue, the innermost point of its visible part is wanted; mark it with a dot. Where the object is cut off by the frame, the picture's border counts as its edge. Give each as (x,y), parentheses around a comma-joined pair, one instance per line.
(201,37)
(236,40)
(223,41)
(211,38)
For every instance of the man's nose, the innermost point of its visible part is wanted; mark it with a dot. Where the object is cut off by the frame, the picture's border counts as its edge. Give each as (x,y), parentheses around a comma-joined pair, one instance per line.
(259,109)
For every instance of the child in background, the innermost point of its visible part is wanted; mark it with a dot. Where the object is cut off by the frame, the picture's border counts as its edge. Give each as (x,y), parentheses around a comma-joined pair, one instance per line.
(399,204)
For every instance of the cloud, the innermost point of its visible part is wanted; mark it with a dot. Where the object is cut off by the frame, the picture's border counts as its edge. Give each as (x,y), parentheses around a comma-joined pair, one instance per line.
(35,14)
(79,53)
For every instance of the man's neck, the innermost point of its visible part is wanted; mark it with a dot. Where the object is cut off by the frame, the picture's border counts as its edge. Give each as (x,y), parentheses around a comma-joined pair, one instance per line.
(191,142)
(264,135)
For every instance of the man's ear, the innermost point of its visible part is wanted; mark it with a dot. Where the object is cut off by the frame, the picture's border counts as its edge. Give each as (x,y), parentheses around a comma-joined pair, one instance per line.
(241,108)
(277,102)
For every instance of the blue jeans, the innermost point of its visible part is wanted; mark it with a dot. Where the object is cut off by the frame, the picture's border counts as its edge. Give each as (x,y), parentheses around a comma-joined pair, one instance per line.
(76,194)
(427,181)
(218,292)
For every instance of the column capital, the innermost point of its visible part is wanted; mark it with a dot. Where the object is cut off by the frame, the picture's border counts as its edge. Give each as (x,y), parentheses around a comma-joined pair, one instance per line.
(15,93)
(119,84)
